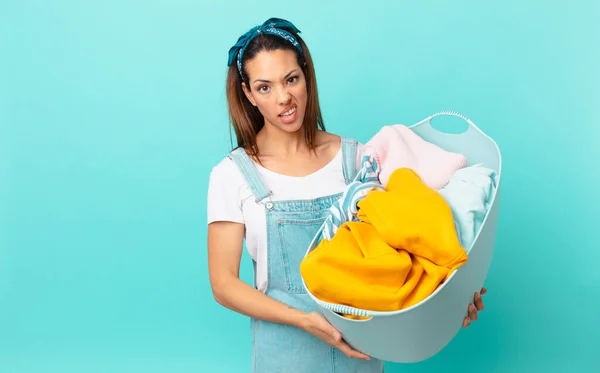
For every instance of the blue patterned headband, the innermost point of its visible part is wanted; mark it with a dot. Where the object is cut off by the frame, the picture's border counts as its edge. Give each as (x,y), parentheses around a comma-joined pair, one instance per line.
(273,26)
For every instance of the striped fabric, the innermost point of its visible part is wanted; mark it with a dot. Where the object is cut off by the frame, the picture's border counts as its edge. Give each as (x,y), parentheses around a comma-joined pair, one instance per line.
(345,209)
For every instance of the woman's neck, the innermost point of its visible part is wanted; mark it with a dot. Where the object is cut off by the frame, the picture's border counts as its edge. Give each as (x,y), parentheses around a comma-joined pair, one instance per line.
(273,141)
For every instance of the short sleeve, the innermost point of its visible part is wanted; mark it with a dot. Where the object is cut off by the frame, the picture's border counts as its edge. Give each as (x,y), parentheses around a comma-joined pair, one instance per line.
(224,198)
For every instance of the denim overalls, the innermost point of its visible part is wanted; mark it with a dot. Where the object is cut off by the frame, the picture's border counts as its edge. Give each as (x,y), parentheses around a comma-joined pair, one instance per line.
(291,225)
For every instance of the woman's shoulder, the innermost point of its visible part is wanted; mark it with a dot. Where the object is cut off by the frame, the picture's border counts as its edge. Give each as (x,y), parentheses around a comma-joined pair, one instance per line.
(225,172)
(329,137)
(227,186)
(333,140)
(227,190)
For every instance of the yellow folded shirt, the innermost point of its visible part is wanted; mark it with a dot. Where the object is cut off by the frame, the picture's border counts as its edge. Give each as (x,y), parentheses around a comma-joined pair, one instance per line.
(357,268)
(412,216)
(402,250)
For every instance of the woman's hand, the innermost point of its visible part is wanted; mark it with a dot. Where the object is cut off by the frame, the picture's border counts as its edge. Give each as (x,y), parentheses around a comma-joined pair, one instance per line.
(318,326)
(477,305)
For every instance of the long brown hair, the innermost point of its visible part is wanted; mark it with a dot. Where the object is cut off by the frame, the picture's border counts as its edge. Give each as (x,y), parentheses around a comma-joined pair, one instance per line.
(245,118)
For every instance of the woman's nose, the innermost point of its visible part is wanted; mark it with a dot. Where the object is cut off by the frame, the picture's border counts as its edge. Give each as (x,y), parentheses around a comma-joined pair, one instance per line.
(283,96)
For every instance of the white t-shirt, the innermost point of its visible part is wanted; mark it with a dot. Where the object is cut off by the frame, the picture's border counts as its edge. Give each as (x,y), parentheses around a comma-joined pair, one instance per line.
(230,199)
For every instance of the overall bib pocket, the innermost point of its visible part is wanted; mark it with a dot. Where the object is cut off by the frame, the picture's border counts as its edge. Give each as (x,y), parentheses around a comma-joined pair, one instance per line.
(293,236)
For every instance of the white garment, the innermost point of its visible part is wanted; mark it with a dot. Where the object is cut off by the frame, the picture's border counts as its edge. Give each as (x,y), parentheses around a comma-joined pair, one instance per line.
(230,199)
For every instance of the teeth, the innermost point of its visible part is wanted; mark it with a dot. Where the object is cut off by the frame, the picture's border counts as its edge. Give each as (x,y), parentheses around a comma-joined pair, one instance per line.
(289,112)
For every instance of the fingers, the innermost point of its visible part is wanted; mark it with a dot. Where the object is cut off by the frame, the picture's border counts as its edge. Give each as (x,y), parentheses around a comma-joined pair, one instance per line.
(473,308)
(473,312)
(478,301)
(348,351)
(334,338)
(325,331)
(329,333)
(340,344)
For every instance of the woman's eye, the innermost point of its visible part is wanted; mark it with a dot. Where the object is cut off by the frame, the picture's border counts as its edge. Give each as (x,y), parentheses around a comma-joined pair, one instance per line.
(292,79)
(263,88)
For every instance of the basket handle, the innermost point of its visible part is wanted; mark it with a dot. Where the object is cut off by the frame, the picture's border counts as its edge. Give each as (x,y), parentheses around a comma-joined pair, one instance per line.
(451,113)
(454,114)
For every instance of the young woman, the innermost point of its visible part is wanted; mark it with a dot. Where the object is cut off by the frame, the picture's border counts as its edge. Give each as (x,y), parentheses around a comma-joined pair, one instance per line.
(274,190)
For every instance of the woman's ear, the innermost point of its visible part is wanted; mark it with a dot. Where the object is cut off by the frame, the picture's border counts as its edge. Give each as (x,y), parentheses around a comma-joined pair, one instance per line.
(248,94)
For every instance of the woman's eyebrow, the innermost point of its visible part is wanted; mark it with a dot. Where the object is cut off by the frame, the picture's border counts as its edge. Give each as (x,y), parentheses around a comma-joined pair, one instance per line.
(268,81)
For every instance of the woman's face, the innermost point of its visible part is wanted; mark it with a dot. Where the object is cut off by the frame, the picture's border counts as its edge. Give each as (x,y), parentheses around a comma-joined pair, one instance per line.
(277,87)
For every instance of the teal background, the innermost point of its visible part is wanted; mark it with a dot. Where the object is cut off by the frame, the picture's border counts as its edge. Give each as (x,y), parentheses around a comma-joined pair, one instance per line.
(112,114)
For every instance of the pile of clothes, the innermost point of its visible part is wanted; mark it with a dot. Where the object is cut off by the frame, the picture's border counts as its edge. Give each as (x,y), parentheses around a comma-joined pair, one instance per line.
(402,227)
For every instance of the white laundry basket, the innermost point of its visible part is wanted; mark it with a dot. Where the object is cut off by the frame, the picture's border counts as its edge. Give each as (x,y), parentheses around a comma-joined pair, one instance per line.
(421,331)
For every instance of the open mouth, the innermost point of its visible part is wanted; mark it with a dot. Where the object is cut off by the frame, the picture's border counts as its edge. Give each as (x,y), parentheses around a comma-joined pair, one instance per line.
(288,113)
(289,116)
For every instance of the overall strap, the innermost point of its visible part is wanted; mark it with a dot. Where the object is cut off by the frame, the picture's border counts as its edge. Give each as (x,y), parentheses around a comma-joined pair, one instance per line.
(349,149)
(244,163)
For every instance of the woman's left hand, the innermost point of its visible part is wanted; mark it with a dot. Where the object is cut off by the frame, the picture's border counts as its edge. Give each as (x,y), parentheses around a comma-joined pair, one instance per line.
(474,307)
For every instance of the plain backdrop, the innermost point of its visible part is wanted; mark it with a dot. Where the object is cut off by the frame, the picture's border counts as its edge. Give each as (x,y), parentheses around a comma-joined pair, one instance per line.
(112,114)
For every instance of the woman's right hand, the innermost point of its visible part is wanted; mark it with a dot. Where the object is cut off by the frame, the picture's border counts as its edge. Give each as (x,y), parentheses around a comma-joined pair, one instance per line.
(318,326)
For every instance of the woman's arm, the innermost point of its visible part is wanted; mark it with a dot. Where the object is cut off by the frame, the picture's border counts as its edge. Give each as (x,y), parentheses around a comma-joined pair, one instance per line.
(224,254)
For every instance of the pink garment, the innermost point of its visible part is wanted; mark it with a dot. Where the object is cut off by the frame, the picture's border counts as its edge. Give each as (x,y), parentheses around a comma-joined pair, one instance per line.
(397,146)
